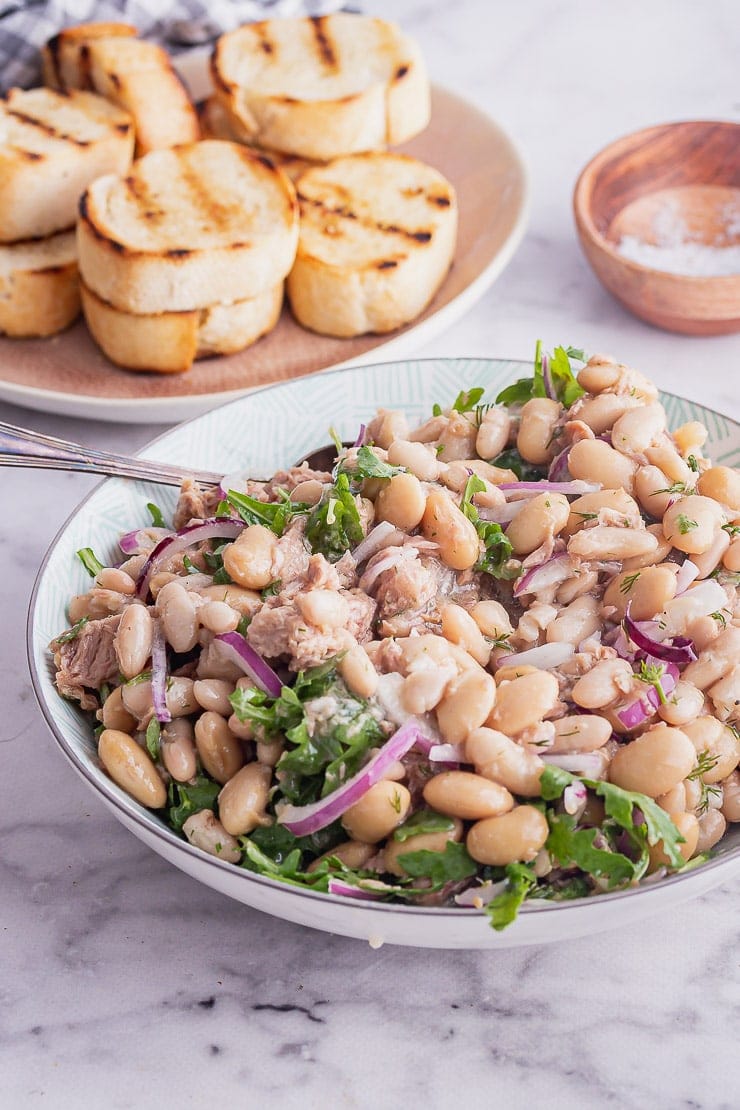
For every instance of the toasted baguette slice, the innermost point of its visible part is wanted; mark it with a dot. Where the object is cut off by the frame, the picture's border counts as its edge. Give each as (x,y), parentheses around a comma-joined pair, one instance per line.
(169,342)
(322,87)
(216,122)
(138,76)
(39,287)
(199,225)
(377,237)
(52,145)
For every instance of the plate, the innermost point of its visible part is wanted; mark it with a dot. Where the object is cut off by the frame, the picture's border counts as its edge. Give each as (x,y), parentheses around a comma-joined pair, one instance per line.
(68,374)
(262,432)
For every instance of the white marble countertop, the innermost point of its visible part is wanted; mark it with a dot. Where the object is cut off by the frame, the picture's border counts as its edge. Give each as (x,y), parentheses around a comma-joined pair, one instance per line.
(126,984)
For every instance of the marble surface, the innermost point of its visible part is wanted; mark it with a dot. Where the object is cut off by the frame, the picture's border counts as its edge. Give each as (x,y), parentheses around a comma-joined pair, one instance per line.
(125,984)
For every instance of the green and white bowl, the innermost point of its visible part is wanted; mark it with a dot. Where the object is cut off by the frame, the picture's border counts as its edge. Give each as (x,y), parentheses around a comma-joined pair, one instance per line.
(260,433)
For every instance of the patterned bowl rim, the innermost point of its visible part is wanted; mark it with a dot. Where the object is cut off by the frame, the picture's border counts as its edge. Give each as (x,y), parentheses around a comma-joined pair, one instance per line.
(148,822)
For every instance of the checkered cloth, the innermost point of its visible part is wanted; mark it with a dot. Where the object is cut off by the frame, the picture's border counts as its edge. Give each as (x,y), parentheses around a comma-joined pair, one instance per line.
(25,25)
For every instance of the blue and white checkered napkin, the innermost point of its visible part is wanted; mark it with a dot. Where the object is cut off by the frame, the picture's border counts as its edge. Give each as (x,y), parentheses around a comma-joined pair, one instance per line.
(25,25)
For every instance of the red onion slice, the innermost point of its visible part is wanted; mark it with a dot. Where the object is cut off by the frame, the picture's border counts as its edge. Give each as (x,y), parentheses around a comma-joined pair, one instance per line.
(546,656)
(550,573)
(159,675)
(503,514)
(476,897)
(382,535)
(681,651)
(558,471)
(688,571)
(577,486)
(304,820)
(644,707)
(347,890)
(142,540)
(360,437)
(223,528)
(244,655)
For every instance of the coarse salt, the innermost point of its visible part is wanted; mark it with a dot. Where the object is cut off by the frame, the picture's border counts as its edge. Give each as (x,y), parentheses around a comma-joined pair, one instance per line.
(675,251)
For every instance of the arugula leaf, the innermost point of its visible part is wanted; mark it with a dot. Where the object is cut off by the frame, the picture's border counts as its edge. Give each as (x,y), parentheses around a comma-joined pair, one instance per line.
(156,515)
(525,472)
(73,632)
(441,867)
(571,846)
(90,561)
(467,399)
(368,465)
(497,548)
(277,842)
(502,910)
(275,515)
(334,524)
(563,379)
(153,736)
(423,821)
(187,798)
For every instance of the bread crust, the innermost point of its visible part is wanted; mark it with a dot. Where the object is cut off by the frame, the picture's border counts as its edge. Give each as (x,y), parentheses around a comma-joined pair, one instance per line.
(216,122)
(52,146)
(377,238)
(39,287)
(322,87)
(139,77)
(169,342)
(209,223)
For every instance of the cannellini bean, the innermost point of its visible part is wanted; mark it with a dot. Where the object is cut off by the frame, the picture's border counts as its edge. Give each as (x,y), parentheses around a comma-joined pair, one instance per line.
(213,694)
(715,661)
(457,439)
(575,622)
(497,757)
(684,704)
(218,617)
(219,750)
(645,591)
(719,482)
(177,609)
(248,560)
(111,578)
(352,853)
(326,609)
(493,432)
(731,558)
(133,640)
(401,502)
(725,695)
(177,748)
(423,690)
(524,702)
(603,684)
(636,430)
(467,703)
(378,812)
(308,492)
(421,842)
(605,542)
(96,604)
(595,461)
(731,797)
(674,801)
(423,652)
(711,738)
(653,763)
(513,837)
(415,457)
(688,827)
(269,752)
(600,372)
(245,602)
(690,523)
(444,523)
(589,505)
(542,517)
(455,477)
(539,418)
(358,672)
(131,768)
(600,413)
(580,733)
(712,827)
(690,437)
(492,619)
(244,730)
(242,800)
(463,794)
(506,672)
(658,555)
(582,582)
(203,830)
(652,488)
(459,626)
(179,698)
(667,459)
(114,713)
(387,426)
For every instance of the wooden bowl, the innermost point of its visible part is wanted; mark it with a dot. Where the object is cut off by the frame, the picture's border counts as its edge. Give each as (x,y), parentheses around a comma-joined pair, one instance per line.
(681,176)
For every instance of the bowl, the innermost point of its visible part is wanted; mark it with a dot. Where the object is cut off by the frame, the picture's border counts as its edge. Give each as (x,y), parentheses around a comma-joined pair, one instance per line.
(670,195)
(260,432)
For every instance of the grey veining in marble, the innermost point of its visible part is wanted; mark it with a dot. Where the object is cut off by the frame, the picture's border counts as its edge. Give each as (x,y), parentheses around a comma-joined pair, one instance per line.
(124,984)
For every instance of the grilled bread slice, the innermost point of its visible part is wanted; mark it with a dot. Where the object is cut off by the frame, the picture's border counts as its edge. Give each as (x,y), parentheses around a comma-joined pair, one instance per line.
(137,76)
(39,288)
(209,223)
(377,238)
(216,122)
(322,87)
(168,342)
(52,145)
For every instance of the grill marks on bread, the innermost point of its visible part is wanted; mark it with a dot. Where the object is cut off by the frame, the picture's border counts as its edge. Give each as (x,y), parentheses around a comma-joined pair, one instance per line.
(47,128)
(325,46)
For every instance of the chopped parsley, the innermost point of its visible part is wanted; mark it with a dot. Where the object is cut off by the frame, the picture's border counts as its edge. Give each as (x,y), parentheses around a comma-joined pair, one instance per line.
(368,465)
(156,514)
(731,529)
(275,515)
(90,561)
(73,632)
(693,463)
(497,552)
(563,379)
(187,798)
(684,524)
(334,524)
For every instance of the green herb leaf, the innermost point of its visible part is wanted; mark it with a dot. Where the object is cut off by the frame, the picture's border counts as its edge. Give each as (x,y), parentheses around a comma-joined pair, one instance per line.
(275,515)
(90,561)
(436,410)
(497,548)
(441,867)
(423,821)
(187,798)
(153,736)
(652,674)
(575,847)
(156,515)
(561,372)
(334,524)
(627,583)
(243,625)
(693,463)
(73,632)
(684,524)
(503,909)
(732,529)
(273,588)
(368,465)
(467,399)
(189,565)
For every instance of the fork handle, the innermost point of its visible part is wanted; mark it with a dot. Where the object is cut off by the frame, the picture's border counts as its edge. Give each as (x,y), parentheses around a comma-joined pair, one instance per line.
(21,447)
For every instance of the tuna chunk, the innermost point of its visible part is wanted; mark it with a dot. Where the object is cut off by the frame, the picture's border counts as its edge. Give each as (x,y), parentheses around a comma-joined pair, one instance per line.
(195,503)
(291,560)
(280,630)
(88,661)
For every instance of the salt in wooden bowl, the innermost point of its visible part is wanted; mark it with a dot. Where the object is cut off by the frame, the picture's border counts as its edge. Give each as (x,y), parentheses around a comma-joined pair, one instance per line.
(668,196)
